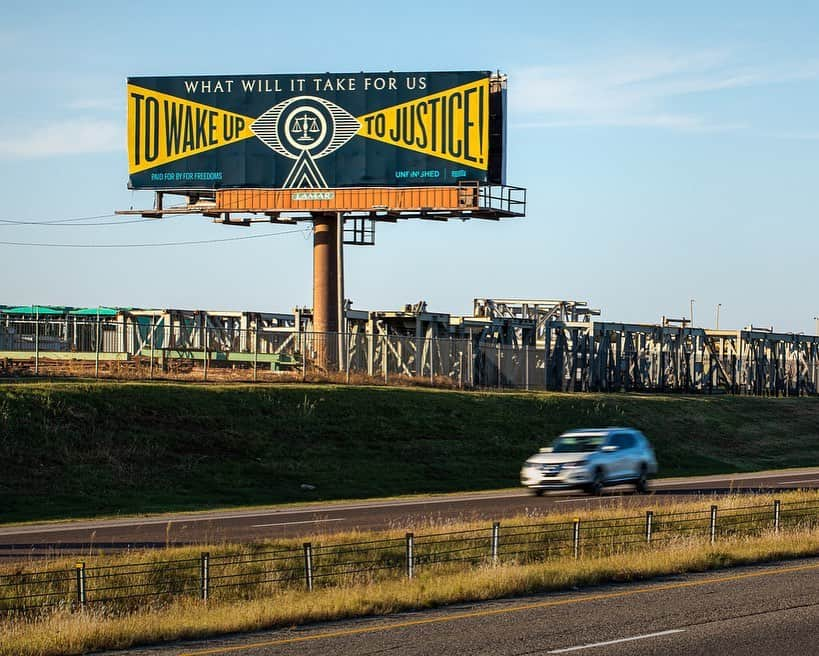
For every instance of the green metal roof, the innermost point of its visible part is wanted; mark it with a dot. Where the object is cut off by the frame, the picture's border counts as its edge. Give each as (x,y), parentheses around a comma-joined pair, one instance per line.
(94,311)
(35,309)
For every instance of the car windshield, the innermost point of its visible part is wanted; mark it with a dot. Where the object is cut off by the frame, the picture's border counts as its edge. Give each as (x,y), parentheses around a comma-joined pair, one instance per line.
(577,443)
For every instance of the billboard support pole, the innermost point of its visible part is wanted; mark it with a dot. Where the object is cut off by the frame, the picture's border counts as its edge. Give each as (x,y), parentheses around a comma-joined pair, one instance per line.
(342,359)
(325,285)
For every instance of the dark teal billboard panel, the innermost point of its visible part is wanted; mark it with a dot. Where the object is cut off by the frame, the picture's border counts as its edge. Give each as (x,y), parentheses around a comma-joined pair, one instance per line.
(315,131)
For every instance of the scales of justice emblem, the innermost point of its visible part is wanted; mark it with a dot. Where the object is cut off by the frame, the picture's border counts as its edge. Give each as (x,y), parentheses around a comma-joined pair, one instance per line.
(304,129)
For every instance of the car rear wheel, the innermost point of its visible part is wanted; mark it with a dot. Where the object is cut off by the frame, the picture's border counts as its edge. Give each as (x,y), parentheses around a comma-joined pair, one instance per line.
(641,484)
(595,488)
(538,492)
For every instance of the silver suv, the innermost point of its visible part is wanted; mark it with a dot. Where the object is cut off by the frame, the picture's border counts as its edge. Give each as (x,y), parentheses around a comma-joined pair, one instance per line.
(590,459)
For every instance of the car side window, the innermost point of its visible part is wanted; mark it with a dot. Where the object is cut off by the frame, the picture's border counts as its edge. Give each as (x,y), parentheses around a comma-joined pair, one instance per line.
(622,441)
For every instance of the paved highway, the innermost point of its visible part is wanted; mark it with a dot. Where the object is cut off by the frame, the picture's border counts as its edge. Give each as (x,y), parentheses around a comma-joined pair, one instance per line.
(771,609)
(322,519)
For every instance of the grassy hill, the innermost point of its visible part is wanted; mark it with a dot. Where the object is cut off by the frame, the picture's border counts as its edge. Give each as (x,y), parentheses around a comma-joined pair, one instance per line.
(72,449)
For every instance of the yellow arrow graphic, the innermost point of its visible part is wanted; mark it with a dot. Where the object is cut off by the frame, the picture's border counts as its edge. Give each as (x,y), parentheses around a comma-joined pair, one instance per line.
(451,124)
(164,128)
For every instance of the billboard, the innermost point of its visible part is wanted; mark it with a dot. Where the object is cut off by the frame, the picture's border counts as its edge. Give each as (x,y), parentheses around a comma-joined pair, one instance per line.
(315,131)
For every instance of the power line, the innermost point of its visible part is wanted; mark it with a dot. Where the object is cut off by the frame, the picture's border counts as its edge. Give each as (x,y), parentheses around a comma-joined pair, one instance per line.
(64,223)
(169,243)
(59,221)
(58,224)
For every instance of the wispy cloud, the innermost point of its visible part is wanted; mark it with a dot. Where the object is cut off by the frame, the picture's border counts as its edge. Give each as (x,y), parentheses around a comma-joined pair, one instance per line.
(65,137)
(97,104)
(796,136)
(644,90)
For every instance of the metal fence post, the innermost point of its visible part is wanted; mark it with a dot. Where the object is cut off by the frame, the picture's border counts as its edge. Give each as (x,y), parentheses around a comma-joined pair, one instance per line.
(308,566)
(576,537)
(37,345)
(713,526)
(205,354)
(385,356)
(153,340)
(526,365)
(410,555)
(255,351)
(495,541)
(498,367)
(777,509)
(432,361)
(81,597)
(546,344)
(303,340)
(347,357)
(204,575)
(471,359)
(97,350)
(649,525)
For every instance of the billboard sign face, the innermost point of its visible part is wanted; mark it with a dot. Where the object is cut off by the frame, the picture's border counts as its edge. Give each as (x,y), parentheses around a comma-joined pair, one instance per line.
(314,131)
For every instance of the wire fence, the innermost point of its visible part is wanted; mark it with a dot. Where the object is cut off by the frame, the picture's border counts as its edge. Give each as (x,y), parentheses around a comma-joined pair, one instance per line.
(258,572)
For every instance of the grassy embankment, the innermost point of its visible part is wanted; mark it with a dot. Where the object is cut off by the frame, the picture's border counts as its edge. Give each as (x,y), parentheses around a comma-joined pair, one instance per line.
(101,627)
(72,449)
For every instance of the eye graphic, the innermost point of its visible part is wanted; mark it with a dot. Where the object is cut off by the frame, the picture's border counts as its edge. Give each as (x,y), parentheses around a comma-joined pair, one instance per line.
(305,125)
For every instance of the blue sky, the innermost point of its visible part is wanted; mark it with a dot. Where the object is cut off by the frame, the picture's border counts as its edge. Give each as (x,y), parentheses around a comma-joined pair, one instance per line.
(671,152)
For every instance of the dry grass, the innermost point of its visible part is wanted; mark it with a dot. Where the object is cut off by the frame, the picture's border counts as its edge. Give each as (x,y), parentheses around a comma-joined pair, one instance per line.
(101,626)
(139,369)
(76,633)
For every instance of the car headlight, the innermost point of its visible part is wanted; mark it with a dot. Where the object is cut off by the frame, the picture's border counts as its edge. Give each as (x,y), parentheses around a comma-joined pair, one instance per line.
(579,463)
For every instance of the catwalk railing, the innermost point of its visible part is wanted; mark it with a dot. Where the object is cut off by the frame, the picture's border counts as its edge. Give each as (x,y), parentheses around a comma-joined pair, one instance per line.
(255,572)
(566,357)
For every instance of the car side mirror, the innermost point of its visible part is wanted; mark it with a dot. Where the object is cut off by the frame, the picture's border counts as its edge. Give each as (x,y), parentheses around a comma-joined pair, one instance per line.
(546,449)
(610,448)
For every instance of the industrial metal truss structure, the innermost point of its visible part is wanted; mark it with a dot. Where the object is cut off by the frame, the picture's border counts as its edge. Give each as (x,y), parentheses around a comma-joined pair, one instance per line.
(559,346)
(506,343)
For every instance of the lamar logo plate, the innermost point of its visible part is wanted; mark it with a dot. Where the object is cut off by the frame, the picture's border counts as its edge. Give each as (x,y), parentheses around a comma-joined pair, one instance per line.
(313,195)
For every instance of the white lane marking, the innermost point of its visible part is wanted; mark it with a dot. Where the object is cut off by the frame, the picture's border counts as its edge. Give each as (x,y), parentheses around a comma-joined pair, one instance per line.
(581,499)
(309,521)
(810,480)
(614,642)
(717,478)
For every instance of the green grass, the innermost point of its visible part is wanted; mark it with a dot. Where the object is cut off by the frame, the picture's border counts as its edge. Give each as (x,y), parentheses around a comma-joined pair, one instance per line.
(72,449)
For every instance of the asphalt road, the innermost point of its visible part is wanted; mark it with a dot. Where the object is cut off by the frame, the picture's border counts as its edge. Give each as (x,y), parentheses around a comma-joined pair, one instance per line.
(322,519)
(771,609)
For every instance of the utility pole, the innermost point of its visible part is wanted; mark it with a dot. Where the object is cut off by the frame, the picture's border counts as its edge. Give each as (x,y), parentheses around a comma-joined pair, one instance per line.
(691,308)
(719,305)
(816,319)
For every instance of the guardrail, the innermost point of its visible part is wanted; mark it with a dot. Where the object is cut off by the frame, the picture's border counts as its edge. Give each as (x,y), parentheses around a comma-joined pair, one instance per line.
(258,572)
